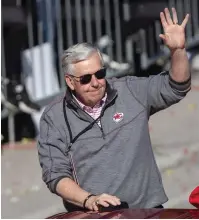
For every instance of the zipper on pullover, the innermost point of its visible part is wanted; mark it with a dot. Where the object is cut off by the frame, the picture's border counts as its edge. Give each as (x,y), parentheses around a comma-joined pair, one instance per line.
(94,120)
(90,125)
(103,135)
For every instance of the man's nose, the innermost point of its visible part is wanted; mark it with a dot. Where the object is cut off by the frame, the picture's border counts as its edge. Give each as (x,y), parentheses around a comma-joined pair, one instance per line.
(94,81)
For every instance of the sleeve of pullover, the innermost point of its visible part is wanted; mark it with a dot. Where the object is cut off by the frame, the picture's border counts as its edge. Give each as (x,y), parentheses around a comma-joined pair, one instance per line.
(159,91)
(54,162)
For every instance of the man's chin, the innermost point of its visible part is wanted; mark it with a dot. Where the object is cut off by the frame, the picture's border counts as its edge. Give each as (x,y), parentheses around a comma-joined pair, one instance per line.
(92,102)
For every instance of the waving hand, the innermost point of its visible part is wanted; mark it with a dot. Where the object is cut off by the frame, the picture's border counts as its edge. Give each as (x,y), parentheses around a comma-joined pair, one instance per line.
(174,34)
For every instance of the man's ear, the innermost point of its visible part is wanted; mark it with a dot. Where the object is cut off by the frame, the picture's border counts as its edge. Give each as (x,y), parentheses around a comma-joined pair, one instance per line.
(69,82)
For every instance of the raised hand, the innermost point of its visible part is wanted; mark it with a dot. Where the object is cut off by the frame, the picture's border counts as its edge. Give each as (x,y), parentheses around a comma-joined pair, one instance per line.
(174,34)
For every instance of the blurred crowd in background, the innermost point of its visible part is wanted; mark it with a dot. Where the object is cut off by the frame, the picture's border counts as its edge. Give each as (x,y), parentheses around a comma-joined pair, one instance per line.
(35,33)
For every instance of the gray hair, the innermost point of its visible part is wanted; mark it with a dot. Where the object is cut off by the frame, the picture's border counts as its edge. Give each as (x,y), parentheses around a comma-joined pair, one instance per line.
(76,53)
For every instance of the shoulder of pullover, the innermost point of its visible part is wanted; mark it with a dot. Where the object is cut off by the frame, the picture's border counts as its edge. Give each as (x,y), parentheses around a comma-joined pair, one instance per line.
(54,105)
(136,86)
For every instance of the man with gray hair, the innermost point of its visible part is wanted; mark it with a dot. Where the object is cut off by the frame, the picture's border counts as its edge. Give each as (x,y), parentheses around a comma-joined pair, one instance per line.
(94,144)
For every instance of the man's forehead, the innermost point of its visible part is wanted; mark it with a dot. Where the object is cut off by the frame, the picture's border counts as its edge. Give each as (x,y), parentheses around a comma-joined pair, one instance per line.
(90,65)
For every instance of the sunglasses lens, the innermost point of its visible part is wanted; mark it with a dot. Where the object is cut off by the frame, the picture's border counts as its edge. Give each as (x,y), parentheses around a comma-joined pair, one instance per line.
(85,79)
(100,74)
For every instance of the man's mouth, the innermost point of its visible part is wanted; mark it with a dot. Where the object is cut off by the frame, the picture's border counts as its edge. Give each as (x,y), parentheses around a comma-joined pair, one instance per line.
(95,90)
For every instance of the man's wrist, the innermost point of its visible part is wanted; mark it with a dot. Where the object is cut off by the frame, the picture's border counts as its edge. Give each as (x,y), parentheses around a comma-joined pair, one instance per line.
(86,199)
(177,50)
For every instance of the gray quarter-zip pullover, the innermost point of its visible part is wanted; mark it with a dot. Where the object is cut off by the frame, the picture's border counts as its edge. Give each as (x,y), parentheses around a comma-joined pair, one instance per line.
(116,158)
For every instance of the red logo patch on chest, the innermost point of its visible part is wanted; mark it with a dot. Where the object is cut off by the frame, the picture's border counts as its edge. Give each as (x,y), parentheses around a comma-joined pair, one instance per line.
(118,117)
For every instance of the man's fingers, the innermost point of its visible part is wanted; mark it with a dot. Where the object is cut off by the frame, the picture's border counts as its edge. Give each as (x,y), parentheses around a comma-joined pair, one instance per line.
(185,21)
(118,201)
(106,199)
(95,207)
(105,204)
(163,20)
(168,16)
(175,17)
(104,195)
(162,36)
(112,202)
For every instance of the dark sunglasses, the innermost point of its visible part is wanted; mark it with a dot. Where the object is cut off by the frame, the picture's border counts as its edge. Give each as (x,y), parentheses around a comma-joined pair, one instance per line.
(85,79)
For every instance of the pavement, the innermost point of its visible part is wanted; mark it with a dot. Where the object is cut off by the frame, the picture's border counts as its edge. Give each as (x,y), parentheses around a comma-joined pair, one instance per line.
(175,139)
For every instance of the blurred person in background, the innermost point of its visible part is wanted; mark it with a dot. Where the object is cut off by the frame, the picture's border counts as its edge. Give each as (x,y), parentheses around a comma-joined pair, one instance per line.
(15,34)
(94,144)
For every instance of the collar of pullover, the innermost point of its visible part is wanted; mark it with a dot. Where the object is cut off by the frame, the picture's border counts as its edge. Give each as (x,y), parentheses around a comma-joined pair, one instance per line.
(111,94)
